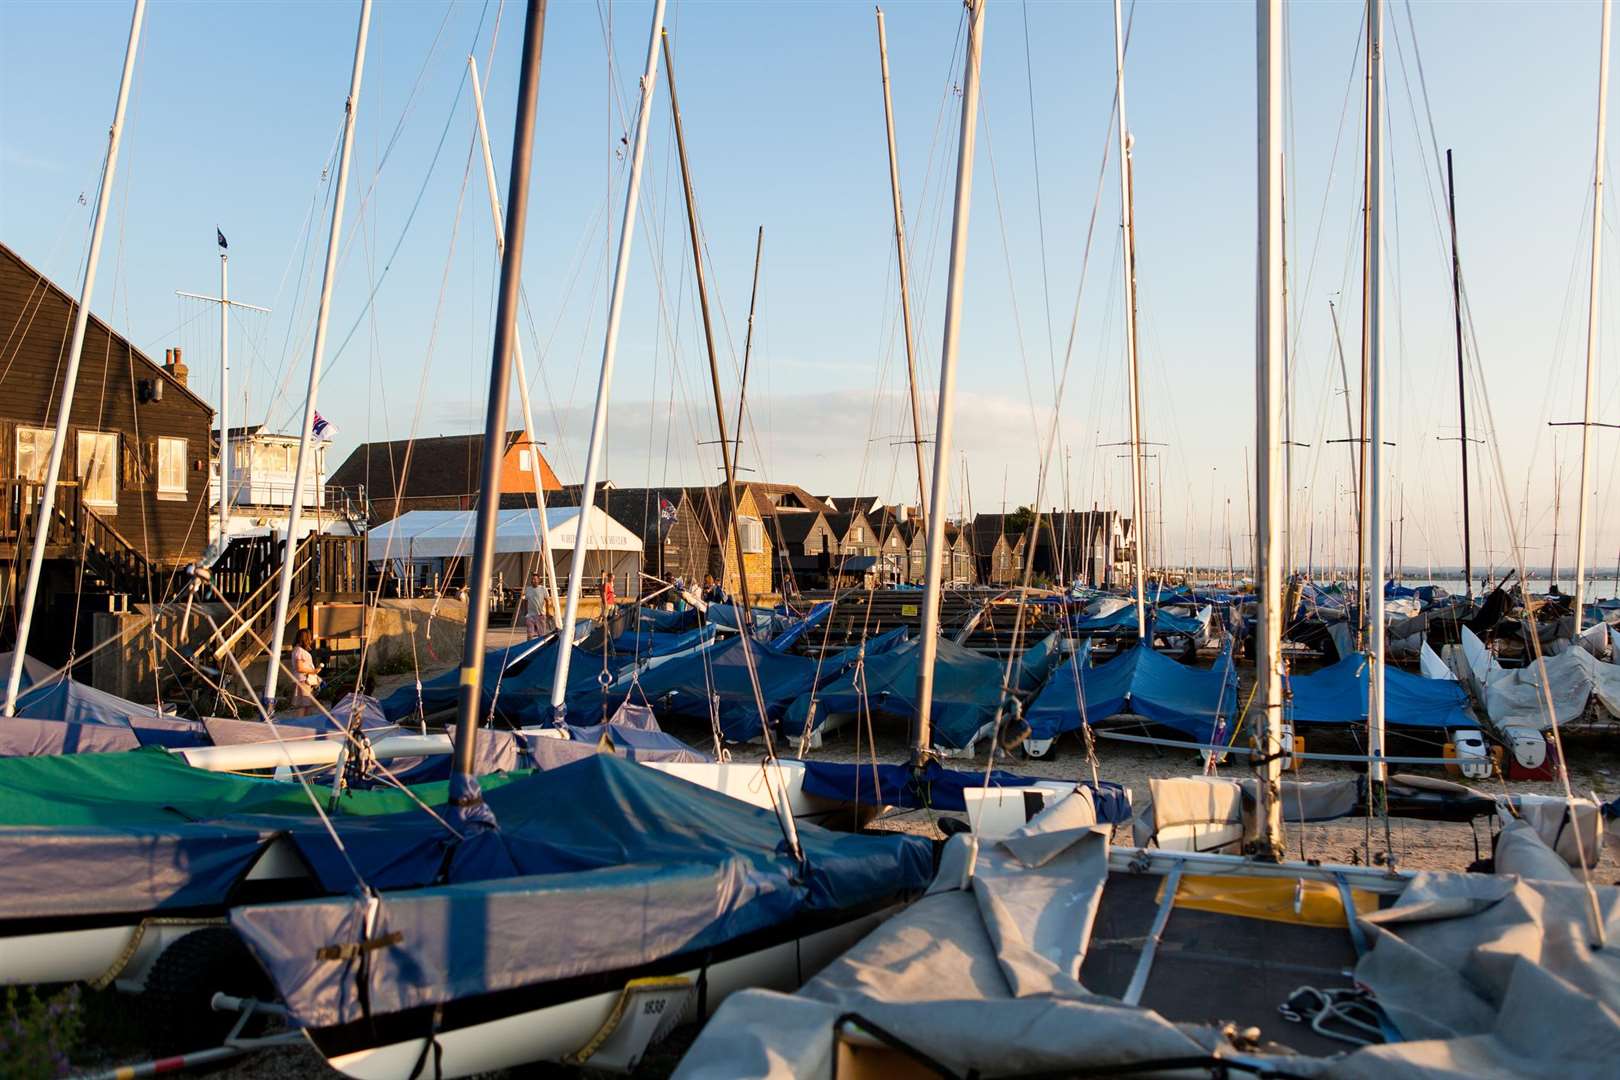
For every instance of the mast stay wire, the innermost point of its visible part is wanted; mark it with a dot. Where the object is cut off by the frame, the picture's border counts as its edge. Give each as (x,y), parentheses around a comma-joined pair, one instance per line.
(1045,451)
(365,205)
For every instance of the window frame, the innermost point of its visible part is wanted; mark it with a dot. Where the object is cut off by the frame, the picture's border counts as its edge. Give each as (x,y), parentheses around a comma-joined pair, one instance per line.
(165,493)
(34,450)
(80,465)
(753,534)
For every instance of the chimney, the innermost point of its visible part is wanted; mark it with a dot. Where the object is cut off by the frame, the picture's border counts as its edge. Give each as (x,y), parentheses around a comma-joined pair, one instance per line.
(175,366)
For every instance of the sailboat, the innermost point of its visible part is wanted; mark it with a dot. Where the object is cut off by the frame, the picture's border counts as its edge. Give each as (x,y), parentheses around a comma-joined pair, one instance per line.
(1048,952)
(456,934)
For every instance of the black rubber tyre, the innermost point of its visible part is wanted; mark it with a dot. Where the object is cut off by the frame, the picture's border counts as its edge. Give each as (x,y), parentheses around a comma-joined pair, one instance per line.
(177,1003)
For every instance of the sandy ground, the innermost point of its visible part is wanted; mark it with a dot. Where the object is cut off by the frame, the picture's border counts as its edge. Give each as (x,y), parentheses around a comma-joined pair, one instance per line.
(1416,845)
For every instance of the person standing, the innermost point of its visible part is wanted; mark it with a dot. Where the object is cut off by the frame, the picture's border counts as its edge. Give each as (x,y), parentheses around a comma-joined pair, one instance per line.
(536,608)
(609,600)
(712,592)
(306,672)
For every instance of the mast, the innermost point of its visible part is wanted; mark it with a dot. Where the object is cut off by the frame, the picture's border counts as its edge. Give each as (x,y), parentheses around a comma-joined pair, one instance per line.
(1287,391)
(351,105)
(70,379)
(743,625)
(1267,843)
(1558,510)
(1138,501)
(1462,385)
(1362,516)
(905,271)
(1592,322)
(464,793)
(224,391)
(529,433)
(922,728)
(748,342)
(610,349)
(1376,569)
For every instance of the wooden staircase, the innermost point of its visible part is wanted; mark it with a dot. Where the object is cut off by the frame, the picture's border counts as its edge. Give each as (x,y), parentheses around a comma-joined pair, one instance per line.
(76,532)
(247,576)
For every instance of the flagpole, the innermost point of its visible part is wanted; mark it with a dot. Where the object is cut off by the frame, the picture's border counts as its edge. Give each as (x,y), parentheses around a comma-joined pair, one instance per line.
(70,380)
(278,631)
(225,304)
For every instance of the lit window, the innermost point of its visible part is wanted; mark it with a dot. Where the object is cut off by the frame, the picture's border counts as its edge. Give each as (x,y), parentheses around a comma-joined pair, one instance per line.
(523,461)
(98,468)
(34,453)
(171,468)
(753,535)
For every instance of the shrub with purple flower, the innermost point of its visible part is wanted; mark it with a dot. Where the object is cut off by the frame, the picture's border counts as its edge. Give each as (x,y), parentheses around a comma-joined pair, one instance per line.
(37,1034)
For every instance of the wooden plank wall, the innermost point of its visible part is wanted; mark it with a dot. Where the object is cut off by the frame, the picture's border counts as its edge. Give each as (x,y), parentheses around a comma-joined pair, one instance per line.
(35,325)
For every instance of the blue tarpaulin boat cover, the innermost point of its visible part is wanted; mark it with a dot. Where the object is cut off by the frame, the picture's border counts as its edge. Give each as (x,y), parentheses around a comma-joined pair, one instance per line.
(685,685)
(517,678)
(1139,681)
(1338,695)
(69,713)
(937,788)
(645,643)
(967,688)
(817,616)
(439,692)
(598,866)
(1123,621)
(669,622)
(631,732)
(766,622)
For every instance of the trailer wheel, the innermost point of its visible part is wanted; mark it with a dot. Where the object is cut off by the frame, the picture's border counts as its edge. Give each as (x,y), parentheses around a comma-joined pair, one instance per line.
(177,1004)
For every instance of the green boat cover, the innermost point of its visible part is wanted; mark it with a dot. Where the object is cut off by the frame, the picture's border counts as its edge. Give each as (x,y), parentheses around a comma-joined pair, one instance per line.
(154,786)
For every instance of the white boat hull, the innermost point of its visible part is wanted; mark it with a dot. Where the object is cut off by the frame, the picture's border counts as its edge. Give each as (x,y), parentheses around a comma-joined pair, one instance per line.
(558,1031)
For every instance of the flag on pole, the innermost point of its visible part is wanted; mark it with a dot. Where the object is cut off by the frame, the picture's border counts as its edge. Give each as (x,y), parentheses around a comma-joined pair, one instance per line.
(666,511)
(322,426)
(222,244)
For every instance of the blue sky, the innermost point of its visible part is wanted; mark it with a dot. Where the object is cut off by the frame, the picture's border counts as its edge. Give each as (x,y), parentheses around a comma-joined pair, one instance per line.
(237,107)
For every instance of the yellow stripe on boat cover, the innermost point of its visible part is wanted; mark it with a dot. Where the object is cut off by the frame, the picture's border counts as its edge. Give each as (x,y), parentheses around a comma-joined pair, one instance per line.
(1269,898)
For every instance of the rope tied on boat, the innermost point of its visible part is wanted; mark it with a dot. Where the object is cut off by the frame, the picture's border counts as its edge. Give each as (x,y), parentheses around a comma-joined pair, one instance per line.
(1352,1006)
(431,1044)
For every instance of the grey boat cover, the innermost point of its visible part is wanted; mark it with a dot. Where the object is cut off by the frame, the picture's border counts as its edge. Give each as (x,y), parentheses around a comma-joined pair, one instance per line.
(1513,696)
(69,712)
(1478,975)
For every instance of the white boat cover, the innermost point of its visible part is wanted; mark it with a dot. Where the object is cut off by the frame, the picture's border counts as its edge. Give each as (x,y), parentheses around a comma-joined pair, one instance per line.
(1482,976)
(1595,640)
(1513,696)
(1430,664)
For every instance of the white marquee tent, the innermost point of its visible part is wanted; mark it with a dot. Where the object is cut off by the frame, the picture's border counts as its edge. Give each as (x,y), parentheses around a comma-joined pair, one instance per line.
(434,538)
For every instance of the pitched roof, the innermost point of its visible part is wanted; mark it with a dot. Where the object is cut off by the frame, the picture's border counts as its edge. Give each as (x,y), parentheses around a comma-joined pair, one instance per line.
(442,465)
(886,516)
(795,528)
(155,370)
(786,497)
(986,529)
(864,503)
(635,508)
(841,523)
